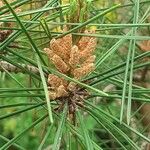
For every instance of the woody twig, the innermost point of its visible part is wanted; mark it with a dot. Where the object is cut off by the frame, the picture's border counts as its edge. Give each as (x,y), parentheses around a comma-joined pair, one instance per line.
(13,69)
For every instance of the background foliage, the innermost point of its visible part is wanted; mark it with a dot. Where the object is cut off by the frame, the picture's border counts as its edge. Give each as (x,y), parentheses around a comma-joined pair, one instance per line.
(117,118)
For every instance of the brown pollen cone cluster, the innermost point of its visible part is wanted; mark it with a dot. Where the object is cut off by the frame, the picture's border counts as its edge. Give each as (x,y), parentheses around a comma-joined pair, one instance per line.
(75,61)
(5,33)
(145,45)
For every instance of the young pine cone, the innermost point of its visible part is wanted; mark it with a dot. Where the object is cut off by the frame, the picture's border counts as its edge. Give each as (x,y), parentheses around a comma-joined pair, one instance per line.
(76,61)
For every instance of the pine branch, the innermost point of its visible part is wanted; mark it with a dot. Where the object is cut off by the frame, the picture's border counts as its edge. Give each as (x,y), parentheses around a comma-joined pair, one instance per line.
(11,68)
